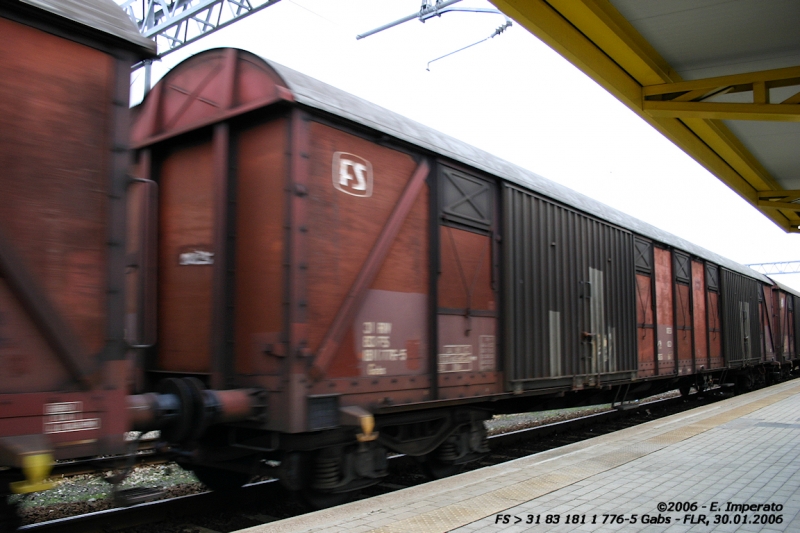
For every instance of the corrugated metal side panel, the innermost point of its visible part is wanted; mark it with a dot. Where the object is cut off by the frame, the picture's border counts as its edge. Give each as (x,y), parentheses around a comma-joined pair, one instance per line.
(552,254)
(792,302)
(740,319)
(768,330)
(796,321)
(701,360)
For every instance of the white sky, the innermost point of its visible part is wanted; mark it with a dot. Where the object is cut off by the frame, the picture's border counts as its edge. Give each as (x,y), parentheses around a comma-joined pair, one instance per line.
(511,96)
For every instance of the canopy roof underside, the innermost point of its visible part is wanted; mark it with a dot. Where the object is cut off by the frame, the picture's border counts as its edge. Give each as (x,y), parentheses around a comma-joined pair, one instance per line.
(720,78)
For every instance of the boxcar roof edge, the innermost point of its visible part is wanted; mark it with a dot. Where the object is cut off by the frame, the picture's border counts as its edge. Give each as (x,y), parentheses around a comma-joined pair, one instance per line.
(104,16)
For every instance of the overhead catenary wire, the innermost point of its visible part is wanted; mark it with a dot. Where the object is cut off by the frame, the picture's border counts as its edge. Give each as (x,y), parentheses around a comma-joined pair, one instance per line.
(497,32)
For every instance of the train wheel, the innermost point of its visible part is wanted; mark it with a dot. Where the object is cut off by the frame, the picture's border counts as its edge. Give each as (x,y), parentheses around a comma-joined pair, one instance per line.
(220,480)
(685,390)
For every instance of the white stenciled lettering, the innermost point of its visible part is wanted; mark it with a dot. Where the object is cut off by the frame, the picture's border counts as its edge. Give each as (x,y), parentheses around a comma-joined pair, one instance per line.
(456,358)
(382,341)
(63,407)
(197,257)
(375,370)
(376,344)
(352,174)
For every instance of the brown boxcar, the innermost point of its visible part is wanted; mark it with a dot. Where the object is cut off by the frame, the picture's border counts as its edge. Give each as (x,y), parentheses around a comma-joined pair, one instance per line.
(64,123)
(380,286)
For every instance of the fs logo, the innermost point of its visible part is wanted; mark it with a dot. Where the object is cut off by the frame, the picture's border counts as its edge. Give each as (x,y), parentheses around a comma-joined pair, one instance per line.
(352,174)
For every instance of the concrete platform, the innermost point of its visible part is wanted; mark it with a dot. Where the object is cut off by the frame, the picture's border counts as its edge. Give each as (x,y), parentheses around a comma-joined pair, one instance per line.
(744,451)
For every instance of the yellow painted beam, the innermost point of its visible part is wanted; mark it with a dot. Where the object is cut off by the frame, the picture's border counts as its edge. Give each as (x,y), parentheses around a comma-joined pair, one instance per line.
(602,24)
(595,37)
(788,76)
(539,18)
(720,139)
(774,204)
(787,194)
(723,111)
(794,99)
(692,95)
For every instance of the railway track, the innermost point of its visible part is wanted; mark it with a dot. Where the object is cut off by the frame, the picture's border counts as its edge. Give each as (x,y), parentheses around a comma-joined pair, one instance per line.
(266,501)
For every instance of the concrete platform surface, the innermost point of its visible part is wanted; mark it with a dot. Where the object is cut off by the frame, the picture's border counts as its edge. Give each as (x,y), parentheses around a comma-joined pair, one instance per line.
(730,466)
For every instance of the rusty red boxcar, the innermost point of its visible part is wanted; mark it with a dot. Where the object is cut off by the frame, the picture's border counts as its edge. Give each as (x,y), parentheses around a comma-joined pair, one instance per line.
(64,122)
(387,288)
(295,281)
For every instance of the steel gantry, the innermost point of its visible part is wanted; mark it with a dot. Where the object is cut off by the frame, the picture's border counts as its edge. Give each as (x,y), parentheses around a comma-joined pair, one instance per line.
(176,23)
(781,267)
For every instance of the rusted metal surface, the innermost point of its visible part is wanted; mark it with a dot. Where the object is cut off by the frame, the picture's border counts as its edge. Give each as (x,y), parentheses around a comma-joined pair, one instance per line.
(64,151)
(665,335)
(645,307)
(714,330)
(223,193)
(207,88)
(354,229)
(683,328)
(467,355)
(30,328)
(419,384)
(298,264)
(700,331)
(465,279)
(261,174)
(24,351)
(76,424)
(358,292)
(336,288)
(54,205)
(645,325)
(389,335)
(186,258)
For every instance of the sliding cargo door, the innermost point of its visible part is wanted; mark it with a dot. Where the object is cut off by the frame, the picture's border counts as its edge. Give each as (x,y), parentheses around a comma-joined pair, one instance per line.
(682,294)
(701,353)
(740,325)
(186,259)
(714,316)
(569,297)
(645,308)
(467,285)
(791,347)
(767,329)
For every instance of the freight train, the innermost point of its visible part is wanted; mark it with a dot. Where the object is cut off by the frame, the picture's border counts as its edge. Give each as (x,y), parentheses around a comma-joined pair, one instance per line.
(282,277)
